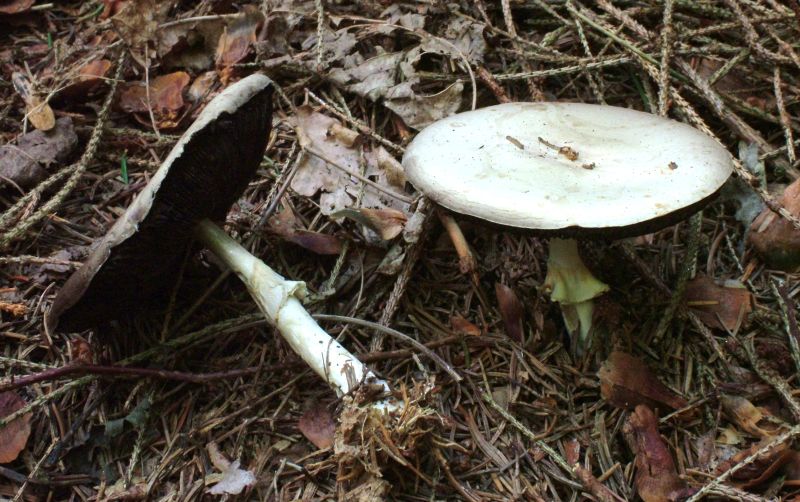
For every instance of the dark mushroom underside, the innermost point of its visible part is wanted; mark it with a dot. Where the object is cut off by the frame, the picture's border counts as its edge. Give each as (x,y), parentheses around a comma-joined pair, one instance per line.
(203,182)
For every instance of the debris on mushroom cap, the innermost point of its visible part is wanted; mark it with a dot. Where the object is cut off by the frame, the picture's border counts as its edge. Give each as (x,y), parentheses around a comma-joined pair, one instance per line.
(645,169)
(204,174)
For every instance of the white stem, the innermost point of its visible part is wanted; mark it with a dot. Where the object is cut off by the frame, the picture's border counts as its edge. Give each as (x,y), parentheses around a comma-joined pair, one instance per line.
(279,300)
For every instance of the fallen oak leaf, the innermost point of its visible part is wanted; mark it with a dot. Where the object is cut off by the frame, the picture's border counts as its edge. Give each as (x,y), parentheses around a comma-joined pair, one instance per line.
(657,479)
(332,169)
(721,307)
(626,382)
(13,436)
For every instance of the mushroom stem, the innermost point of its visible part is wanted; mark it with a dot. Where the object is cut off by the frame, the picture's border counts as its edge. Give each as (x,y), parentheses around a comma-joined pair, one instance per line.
(573,286)
(466,260)
(279,300)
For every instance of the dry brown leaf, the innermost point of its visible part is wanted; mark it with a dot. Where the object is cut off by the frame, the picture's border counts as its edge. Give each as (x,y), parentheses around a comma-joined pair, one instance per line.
(338,189)
(656,477)
(464,327)
(200,89)
(14,6)
(757,421)
(15,309)
(387,223)
(461,38)
(165,100)
(418,110)
(14,436)
(572,451)
(126,490)
(721,307)
(510,310)
(318,426)
(89,78)
(774,238)
(336,46)
(370,78)
(137,22)
(626,382)
(762,468)
(37,111)
(25,164)
(236,40)
(285,225)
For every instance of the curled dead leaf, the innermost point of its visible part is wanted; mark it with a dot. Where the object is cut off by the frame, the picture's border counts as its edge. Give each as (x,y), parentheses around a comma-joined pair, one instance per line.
(38,112)
(164,97)
(387,223)
(14,436)
(318,426)
(657,479)
(626,382)
(722,307)
(774,238)
(166,94)
(756,421)
(15,6)
(510,310)
(233,479)
(464,327)
(765,465)
(89,78)
(285,225)
(237,39)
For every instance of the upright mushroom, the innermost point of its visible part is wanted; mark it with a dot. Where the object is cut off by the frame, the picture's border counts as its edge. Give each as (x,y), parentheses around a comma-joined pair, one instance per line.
(201,178)
(568,170)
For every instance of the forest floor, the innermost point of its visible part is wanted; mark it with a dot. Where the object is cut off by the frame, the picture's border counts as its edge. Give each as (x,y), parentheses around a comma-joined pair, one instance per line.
(689,390)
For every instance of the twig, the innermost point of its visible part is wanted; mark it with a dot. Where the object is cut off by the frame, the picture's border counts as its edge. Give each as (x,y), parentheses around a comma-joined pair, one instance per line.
(125,371)
(400,336)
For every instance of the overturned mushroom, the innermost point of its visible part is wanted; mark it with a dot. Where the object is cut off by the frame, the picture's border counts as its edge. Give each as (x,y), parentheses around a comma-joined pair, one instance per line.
(201,178)
(568,170)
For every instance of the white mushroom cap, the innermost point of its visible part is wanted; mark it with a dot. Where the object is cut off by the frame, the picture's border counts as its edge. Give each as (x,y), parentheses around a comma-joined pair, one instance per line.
(514,164)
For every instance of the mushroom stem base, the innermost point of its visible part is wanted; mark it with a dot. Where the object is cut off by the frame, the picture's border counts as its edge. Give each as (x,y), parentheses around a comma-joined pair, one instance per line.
(573,286)
(279,300)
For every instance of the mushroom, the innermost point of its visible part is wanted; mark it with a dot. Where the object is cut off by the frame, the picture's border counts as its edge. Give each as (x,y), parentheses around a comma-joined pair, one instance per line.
(202,177)
(568,170)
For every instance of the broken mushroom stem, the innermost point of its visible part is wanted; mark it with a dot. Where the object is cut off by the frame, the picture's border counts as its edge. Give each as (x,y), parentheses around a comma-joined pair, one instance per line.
(280,301)
(466,260)
(571,284)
